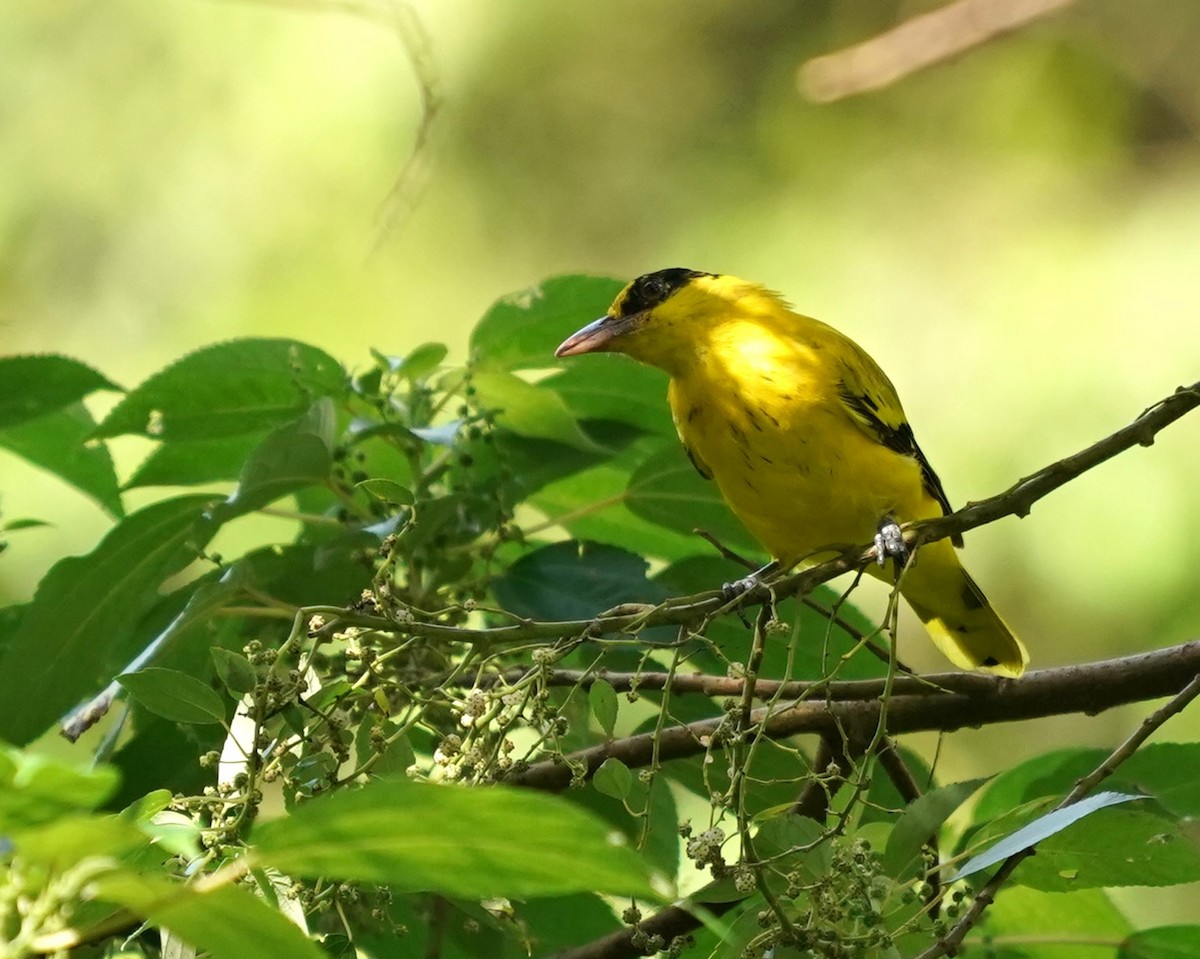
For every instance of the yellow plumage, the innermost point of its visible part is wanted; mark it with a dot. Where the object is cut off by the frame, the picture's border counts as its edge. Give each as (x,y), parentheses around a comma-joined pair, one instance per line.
(803,434)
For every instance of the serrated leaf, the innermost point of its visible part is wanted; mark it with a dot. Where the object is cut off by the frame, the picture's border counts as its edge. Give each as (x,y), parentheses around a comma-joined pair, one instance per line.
(242,386)
(613,778)
(234,670)
(228,922)
(33,386)
(921,821)
(603,700)
(174,695)
(111,588)
(573,580)
(461,842)
(522,330)
(1041,828)
(56,442)
(1164,942)
(529,409)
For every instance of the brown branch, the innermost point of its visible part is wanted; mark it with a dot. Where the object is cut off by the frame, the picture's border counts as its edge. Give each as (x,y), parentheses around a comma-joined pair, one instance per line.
(916,44)
(708,684)
(1088,688)
(949,944)
(687,610)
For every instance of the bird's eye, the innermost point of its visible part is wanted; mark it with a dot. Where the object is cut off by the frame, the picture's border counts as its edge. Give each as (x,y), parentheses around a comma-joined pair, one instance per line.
(653,287)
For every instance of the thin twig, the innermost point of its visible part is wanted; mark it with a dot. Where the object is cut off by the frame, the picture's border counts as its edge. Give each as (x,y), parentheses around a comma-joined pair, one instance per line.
(916,44)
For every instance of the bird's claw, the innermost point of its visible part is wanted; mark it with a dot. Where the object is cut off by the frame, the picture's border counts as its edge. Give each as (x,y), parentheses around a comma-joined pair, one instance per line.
(889,542)
(739,587)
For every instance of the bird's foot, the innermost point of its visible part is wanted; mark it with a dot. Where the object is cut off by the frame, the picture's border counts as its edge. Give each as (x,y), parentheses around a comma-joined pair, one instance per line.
(889,542)
(739,587)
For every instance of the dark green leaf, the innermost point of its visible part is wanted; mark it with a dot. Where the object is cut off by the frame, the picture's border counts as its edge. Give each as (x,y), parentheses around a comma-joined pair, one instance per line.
(174,695)
(573,580)
(613,778)
(1039,829)
(603,700)
(529,409)
(32,386)
(1165,942)
(523,330)
(1113,847)
(234,670)
(461,842)
(228,922)
(56,442)
(191,462)
(921,821)
(241,386)
(296,455)
(666,489)
(17,524)
(109,590)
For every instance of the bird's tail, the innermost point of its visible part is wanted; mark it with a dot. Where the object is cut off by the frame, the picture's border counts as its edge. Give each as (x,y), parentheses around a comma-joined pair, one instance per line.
(957,615)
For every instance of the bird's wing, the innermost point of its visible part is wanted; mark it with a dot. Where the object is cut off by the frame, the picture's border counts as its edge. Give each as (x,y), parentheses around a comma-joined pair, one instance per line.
(870,399)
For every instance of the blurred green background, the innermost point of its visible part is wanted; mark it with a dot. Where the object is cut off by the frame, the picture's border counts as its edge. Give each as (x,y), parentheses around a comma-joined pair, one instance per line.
(1014,234)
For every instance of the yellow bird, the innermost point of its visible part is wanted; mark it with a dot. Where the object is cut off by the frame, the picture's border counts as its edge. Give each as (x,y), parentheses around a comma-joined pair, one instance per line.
(805,436)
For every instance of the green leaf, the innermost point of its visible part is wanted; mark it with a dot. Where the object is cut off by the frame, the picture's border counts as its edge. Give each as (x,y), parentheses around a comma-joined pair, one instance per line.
(422,361)
(228,922)
(234,670)
(174,695)
(529,409)
(461,842)
(32,386)
(191,462)
(603,700)
(241,386)
(296,455)
(56,442)
(73,837)
(109,589)
(613,778)
(921,821)
(523,330)
(1080,915)
(36,789)
(1039,829)
(592,506)
(615,388)
(1113,847)
(573,580)
(1170,772)
(667,490)
(1165,942)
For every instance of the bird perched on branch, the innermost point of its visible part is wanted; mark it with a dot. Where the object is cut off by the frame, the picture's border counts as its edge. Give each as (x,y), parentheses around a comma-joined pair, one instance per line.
(804,435)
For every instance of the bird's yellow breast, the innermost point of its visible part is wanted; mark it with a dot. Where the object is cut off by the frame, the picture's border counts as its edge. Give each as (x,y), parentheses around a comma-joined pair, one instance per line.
(759,409)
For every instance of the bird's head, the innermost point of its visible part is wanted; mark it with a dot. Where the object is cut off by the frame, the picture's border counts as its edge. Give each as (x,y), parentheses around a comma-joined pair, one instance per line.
(658,318)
